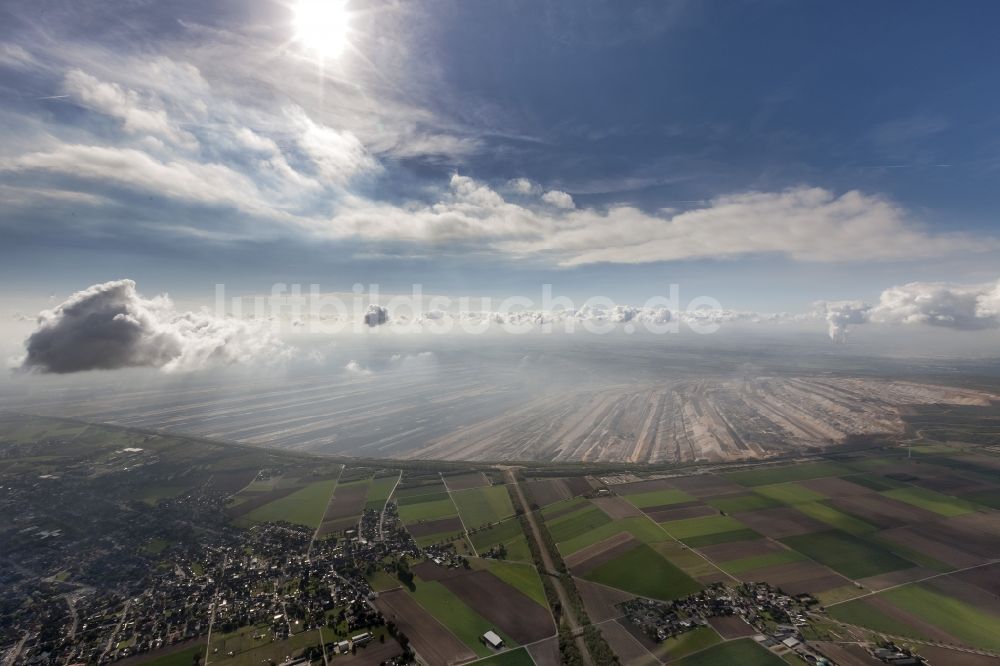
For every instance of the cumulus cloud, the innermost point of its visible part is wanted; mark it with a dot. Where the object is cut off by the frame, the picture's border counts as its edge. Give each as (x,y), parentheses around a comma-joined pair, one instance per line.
(558,199)
(955,306)
(522,186)
(961,307)
(355,368)
(109,326)
(376,315)
(840,315)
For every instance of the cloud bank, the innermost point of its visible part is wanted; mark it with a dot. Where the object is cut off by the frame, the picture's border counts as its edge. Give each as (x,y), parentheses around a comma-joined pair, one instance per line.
(953,306)
(109,326)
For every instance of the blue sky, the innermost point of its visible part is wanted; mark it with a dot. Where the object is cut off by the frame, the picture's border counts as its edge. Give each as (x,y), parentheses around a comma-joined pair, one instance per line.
(768,154)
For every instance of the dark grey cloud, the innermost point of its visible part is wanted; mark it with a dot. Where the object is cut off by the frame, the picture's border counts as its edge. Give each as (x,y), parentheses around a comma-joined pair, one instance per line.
(109,326)
(376,315)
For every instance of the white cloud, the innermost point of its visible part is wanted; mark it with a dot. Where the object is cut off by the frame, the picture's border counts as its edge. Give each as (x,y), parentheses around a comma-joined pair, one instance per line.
(355,368)
(522,186)
(961,307)
(110,326)
(179,179)
(137,116)
(954,306)
(804,224)
(558,199)
(840,315)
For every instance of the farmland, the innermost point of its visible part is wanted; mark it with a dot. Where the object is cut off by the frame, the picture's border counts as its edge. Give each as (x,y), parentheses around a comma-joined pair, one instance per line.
(886,542)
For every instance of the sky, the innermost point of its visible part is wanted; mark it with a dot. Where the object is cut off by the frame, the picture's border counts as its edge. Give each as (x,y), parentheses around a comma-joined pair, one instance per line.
(770,154)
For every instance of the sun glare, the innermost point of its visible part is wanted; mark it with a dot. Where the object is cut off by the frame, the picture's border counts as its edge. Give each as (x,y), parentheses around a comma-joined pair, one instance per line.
(322,26)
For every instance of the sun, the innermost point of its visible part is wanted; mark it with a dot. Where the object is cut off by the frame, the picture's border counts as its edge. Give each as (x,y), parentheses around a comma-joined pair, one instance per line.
(322,26)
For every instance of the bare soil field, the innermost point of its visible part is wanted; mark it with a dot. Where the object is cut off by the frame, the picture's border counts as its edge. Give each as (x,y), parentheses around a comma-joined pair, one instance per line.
(731,626)
(584,561)
(648,486)
(429,571)
(466,481)
(615,507)
(547,491)
(545,653)
(578,485)
(943,552)
(664,514)
(259,500)
(628,649)
(345,507)
(949,483)
(834,487)
(798,577)
(882,581)
(599,601)
(976,533)
(883,511)
(967,592)
(781,522)
(735,550)
(945,657)
(452,525)
(430,638)
(987,578)
(706,485)
(511,610)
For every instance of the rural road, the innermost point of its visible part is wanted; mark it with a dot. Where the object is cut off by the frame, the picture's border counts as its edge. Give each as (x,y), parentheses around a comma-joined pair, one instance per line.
(567,608)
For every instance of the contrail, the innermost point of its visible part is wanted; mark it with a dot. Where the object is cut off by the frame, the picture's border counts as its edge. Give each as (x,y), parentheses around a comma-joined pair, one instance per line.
(53,97)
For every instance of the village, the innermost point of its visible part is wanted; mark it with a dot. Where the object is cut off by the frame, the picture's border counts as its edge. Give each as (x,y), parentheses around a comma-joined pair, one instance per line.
(776,619)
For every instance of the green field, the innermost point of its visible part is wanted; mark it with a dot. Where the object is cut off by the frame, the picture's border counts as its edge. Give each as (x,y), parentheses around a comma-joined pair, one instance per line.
(518,657)
(705,525)
(563,505)
(411,513)
(932,501)
(518,549)
(479,506)
(453,613)
(643,572)
(738,503)
(684,644)
(378,492)
(789,493)
(305,506)
(502,532)
(658,498)
(769,475)
(971,625)
(433,496)
(745,534)
(873,482)
(861,613)
(847,554)
(835,518)
(521,577)
(643,529)
(757,561)
(183,657)
(251,652)
(577,523)
(744,652)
